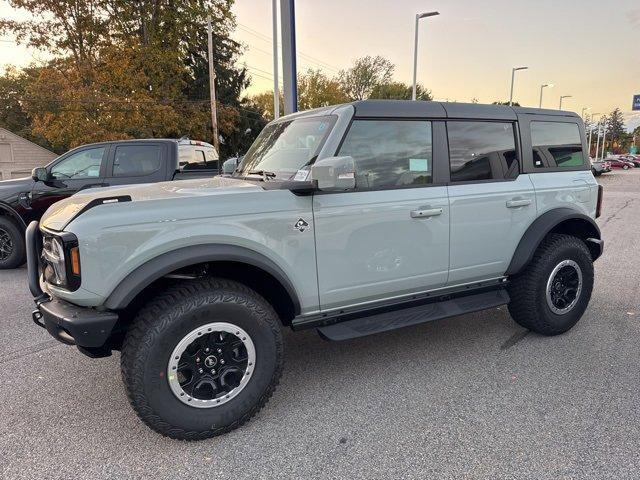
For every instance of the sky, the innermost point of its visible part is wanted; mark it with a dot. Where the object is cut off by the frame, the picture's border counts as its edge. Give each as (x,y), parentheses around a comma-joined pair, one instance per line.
(588,49)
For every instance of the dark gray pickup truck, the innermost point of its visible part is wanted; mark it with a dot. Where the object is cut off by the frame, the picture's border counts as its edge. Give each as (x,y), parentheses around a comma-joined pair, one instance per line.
(104,164)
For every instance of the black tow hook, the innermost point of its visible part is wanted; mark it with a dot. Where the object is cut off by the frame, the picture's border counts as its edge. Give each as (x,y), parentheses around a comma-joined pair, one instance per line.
(36,315)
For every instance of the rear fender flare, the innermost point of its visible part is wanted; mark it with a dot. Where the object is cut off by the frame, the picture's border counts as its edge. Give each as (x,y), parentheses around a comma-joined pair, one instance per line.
(541,227)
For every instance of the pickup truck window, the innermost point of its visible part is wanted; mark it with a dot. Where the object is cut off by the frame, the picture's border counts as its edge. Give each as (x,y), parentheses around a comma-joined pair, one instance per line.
(390,153)
(561,140)
(136,160)
(282,148)
(482,151)
(84,164)
(197,160)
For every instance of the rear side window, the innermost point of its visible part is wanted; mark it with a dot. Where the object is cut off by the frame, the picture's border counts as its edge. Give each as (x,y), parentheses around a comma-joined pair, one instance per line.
(196,159)
(482,151)
(559,143)
(136,160)
(390,153)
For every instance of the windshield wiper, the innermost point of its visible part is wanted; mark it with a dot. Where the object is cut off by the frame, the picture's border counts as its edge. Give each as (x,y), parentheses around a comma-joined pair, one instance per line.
(263,173)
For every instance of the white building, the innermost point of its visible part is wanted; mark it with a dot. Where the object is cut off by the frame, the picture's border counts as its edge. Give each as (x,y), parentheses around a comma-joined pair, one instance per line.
(18,156)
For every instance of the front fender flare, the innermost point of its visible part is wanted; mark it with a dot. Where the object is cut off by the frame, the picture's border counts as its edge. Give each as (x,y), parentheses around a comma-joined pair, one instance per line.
(144,275)
(540,228)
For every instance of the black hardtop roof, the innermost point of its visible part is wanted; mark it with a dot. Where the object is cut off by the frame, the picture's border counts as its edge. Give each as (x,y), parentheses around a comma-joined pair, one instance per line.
(420,108)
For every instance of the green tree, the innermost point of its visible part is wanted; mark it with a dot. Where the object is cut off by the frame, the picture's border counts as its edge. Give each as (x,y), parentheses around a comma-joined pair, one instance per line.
(317,90)
(399,91)
(144,63)
(367,72)
(615,125)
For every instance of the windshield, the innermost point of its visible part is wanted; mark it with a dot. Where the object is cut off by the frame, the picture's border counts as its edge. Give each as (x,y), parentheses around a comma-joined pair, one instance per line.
(283,148)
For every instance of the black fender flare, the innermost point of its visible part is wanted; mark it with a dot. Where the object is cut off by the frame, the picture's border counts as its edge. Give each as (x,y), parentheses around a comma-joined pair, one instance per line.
(168,262)
(13,214)
(541,227)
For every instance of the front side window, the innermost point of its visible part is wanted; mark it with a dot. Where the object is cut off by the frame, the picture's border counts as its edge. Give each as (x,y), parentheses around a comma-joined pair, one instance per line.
(283,148)
(390,153)
(136,160)
(482,151)
(559,142)
(84,164)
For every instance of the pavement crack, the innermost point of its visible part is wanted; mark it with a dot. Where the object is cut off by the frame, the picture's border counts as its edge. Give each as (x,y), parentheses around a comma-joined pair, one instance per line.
(613,215)
(28,351)
(514,339)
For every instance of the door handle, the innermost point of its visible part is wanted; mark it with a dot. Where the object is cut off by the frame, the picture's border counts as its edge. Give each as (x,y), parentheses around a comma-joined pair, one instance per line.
(429,212)
(518,203)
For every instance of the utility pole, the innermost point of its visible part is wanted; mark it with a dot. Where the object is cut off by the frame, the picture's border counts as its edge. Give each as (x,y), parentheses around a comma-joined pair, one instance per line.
(276,84)
(212,89)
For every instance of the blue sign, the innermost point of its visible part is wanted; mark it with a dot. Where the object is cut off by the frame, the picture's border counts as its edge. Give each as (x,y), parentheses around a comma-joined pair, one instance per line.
(636,102)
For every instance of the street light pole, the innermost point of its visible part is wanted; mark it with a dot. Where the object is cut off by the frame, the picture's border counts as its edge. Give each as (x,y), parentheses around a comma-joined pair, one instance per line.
(598,141)
(276,85)
(415,50)
(591,130)
(604,139)
(513,75)
(541,89)
(584,109)
(562,97)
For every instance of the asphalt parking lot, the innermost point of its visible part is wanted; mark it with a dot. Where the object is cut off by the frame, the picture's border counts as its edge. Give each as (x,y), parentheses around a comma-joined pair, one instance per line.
(467,397)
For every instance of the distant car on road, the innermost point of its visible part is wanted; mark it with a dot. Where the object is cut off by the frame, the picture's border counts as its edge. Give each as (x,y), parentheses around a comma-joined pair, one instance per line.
(635,159)
(598,167)
(104,164)
(620,163)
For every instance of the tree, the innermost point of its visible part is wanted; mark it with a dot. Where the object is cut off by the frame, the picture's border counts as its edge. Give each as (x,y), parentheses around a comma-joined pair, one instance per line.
(126,69)
(399,91)
(367,72)
(615,125)
(515,104)
(317,90)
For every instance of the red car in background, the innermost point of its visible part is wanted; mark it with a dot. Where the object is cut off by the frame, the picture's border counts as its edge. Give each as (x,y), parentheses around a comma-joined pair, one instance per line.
(620,163)
(635,159)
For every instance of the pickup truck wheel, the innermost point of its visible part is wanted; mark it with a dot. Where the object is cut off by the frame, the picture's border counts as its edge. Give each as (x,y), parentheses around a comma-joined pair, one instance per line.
(552,293)
(202,358)
(12,248)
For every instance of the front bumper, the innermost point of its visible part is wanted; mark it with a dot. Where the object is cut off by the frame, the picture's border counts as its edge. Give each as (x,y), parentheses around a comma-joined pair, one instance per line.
(87,328)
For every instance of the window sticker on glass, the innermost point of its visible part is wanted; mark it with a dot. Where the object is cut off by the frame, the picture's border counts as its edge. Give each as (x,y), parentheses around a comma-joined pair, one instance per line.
(301,175)
(418,165)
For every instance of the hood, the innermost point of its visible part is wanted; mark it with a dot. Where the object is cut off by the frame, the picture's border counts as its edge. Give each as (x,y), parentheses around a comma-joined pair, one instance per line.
(60,214)
(9,187)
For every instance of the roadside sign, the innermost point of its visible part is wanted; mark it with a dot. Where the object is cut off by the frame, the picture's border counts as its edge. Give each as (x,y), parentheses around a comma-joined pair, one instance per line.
(636,102)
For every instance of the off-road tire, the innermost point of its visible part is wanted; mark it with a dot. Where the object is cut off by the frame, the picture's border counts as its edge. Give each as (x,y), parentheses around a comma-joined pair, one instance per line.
(17,256)
(528,305)
(164,321)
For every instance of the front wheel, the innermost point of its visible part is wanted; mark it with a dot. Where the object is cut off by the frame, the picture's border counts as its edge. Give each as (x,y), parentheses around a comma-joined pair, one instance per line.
(625,167)
(552,293)
(12,245)
(202,358)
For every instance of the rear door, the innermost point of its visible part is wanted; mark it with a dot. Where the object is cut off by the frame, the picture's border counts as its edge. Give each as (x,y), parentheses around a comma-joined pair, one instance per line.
(389,238)
(137,162)
(80,169)
(492,203)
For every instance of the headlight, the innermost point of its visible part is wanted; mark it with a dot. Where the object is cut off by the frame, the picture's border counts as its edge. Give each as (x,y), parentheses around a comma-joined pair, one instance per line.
(61,260)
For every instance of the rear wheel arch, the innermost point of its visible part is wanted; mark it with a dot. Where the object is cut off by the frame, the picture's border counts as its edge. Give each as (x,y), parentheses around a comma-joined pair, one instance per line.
(560,221)
(240,264)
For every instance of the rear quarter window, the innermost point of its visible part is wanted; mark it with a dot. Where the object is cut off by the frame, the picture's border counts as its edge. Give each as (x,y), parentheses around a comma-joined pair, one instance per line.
(558,142)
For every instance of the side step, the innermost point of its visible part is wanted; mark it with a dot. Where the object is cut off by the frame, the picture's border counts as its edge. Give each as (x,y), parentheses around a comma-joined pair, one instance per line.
(383,322)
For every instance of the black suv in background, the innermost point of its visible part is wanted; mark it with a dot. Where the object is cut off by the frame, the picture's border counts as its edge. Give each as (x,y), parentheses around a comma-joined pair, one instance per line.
(89,166)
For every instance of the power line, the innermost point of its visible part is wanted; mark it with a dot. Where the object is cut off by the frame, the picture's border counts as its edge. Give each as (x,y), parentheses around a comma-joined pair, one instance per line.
(269,40)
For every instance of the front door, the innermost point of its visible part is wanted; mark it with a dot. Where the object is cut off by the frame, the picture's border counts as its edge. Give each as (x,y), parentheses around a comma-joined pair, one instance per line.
(390,237)
(81,169)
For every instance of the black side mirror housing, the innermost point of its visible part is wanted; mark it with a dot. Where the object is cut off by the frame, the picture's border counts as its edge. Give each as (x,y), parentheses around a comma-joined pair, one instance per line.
(40,174)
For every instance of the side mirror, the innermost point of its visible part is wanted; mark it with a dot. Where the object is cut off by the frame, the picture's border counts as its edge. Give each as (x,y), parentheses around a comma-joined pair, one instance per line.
(39,174)
(229,166)
(334,173)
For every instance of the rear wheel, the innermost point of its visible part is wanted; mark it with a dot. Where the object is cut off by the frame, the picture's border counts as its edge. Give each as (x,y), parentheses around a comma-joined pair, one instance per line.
(12,247)
(625,167)
(552,293)
(202,358)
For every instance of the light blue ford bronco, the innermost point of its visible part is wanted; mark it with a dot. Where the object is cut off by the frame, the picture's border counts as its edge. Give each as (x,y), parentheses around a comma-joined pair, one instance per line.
(353,219)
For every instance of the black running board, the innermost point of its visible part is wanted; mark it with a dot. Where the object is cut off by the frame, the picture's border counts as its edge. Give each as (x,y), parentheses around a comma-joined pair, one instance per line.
(383,322)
